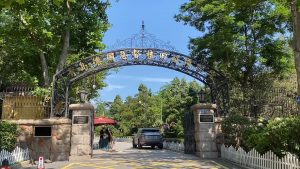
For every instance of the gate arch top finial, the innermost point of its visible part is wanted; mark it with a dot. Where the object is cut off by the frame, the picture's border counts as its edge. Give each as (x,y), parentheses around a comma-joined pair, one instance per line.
(143,39)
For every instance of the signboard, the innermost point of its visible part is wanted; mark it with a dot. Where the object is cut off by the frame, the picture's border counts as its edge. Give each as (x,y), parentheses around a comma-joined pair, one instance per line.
(204,111)
(207,118)
(298,99)
(80,119)
(41,163)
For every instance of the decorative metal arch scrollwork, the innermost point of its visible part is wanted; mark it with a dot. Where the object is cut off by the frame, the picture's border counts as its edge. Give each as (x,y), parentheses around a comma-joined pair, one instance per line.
(136,56)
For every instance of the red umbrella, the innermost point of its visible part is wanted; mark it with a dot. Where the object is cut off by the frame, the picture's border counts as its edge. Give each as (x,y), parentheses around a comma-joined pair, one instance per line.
(104,120)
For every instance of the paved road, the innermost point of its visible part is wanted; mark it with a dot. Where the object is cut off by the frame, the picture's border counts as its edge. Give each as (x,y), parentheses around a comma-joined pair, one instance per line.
(126,157)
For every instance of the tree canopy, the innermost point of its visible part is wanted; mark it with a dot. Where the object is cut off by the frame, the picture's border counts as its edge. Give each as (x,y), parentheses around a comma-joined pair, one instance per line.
(246,40)
(53,33)
(148,109)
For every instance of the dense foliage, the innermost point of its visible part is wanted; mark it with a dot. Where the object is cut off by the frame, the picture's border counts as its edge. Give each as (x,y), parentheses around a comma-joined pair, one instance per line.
(39,38)
(279,135)
(147,109)
(8,135)
(235,129)
(246,40)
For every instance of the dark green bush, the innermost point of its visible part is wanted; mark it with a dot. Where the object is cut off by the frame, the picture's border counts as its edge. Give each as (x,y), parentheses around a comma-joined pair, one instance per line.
(114,129)
(174,132)
(8,135)
(235,129)
(280,135)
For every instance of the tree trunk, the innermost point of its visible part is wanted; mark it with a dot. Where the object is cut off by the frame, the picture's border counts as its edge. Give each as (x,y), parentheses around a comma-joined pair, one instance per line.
(296,42)
(64,52)
(44,69)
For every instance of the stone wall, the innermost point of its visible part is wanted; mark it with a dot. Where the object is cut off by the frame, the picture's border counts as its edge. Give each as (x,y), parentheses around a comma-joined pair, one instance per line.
(55,148)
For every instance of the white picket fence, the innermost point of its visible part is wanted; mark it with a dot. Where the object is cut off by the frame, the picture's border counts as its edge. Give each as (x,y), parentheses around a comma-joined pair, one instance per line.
(254,160)
(173,146)
(18,155)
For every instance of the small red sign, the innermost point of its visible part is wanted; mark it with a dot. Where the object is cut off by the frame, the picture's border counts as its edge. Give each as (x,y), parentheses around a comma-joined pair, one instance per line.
(5,167)
(41,163)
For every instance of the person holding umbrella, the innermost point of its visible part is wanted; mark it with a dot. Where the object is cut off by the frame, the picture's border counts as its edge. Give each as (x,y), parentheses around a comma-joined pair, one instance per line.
(101,138)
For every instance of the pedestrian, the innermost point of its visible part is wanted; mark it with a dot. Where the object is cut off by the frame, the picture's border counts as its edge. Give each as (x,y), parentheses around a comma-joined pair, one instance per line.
(110,140)
(106,139)
(101,138)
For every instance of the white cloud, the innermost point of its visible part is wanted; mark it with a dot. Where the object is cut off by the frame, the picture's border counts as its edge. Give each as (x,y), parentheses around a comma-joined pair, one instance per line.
(111,87)
(159,80)
(122,77)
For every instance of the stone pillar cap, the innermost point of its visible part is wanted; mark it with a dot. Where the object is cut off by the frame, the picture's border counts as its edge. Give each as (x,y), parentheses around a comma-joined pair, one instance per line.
(81,106)
(203,106)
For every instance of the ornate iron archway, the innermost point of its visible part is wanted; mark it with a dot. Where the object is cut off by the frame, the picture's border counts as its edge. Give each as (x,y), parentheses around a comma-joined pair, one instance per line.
(64,79)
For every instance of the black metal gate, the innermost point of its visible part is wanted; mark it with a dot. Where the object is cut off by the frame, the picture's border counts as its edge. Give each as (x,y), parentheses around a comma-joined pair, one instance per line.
(189,133)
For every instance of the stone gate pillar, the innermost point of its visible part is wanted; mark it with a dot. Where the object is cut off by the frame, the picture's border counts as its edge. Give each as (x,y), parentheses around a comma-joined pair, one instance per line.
(205,134)
(81,135)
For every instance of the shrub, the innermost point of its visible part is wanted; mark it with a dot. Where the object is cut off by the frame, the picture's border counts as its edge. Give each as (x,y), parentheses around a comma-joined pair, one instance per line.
(235,129)
(114,129)
(280,135)
(175,132)
(8,135)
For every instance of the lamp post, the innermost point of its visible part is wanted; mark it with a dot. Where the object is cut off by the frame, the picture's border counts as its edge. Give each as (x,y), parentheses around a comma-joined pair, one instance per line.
(201,96)
(83,96)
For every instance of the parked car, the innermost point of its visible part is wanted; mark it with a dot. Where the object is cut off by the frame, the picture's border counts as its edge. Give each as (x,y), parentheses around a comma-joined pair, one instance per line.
(147,137)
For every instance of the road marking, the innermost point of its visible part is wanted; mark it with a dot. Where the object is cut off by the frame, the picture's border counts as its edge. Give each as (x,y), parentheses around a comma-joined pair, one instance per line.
(146,163)
(68,166)
(220,165)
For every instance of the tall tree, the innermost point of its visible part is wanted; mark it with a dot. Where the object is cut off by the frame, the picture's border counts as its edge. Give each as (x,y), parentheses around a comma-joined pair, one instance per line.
(116,108)
(178,98)
(294,7)
(53,30)
(243,39)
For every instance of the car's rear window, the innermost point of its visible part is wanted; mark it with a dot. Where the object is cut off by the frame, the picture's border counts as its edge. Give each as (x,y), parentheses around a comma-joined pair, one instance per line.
(149,130)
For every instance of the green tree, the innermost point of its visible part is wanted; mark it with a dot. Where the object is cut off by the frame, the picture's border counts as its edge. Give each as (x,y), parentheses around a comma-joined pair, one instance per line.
(147,111)
(291,8)
(51,33)
(102,109)
(142,110)
(243,39)
(117,108)
(178,98)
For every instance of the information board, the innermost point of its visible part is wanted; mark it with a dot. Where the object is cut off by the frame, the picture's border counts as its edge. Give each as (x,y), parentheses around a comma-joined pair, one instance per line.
(298,99)
(207,118)
(80,119)
(204,111)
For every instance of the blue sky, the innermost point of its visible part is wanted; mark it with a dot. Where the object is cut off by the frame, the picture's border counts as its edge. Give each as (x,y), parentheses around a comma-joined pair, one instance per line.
(126,17)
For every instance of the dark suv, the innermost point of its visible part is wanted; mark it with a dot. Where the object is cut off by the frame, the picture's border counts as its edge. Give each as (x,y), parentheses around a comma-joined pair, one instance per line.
(147,137)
